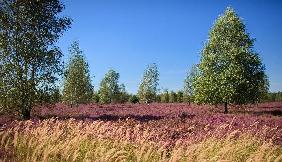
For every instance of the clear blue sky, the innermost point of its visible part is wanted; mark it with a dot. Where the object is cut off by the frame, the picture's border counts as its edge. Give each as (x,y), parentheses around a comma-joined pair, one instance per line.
(127,35)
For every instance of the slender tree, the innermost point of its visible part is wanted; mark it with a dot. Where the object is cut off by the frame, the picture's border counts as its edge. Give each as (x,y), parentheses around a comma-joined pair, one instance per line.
(179,96)
(109,88)
(148,88)
(95,97)
(104,93)
(133,99)
(77,82)
(29,60)
(188,93)
(231,72)
(172,97)
(123,95)
(165,96)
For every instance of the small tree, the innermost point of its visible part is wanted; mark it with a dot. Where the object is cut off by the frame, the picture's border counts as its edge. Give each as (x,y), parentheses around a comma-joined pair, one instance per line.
(133,99)
(77,82)
(172,97)
(179,96)
(104,93)
(158,98)
(165,96)
(230,71)
(123,95)
(29,60)
(95,97)
(188,92)
(148,88)
(109,88)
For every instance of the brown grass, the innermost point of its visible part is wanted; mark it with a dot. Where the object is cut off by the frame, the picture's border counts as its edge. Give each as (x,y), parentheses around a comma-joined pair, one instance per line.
(75,140)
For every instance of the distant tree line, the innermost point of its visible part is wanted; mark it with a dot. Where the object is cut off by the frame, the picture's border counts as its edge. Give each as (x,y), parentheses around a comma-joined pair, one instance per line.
(229,71)
(272,97)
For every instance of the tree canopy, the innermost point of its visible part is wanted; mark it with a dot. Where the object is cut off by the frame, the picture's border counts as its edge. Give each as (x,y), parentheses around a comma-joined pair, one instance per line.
(231,72)
(188,91)
(29,60)
(77,82)
(148,88)
(110,91)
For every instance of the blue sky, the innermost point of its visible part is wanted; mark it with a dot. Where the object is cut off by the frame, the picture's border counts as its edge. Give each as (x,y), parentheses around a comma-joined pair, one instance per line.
(127,35)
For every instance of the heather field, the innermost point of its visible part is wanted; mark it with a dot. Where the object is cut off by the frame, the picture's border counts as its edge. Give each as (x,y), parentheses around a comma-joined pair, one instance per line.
(140,81)
(145,132)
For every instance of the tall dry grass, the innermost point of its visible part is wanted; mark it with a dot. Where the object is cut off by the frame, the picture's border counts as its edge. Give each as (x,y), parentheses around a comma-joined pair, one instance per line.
(71,140)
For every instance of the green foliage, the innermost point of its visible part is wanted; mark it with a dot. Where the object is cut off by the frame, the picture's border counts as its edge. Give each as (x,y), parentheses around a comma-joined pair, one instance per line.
(77,82)
(95,97)
(188,91)
(179,96)
(230,70)
(272,97)
(29,60)
(104,93)
(133,99)
(158,98)
(53,96)
(165,96)
(110,91)
(172,97)
(123,95)
(148,88)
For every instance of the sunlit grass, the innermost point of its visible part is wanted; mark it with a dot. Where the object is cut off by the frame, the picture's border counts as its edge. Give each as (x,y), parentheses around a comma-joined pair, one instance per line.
(69,140)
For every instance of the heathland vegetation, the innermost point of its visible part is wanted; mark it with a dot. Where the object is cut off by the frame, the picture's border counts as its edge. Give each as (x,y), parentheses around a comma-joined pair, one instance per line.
(107,124)
(229,72)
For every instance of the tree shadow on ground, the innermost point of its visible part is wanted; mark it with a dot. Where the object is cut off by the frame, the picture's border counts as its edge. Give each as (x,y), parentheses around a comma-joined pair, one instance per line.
(258,113)
(106,117)
(272,112)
